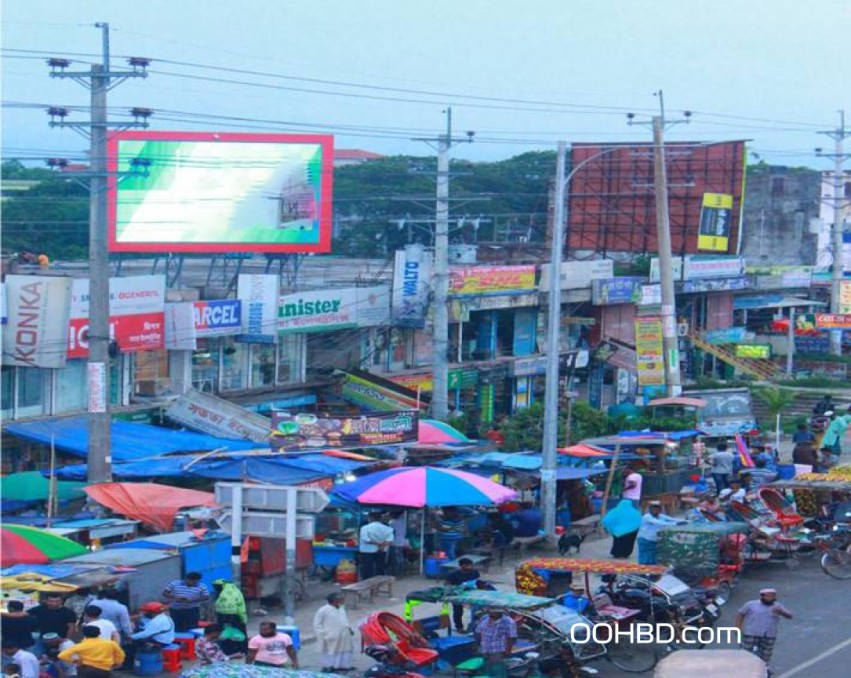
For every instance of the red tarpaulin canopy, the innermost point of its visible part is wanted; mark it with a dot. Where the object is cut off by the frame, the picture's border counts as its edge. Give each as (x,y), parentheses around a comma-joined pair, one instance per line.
(148,502)
(583,450)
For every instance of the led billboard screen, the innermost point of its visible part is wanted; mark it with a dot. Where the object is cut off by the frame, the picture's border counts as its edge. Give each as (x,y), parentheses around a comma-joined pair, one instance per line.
(220,192)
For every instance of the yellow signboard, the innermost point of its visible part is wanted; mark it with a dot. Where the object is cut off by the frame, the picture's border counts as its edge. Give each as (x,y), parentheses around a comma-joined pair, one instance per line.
(845,297)
(716,218)
(650,351)
(475,280)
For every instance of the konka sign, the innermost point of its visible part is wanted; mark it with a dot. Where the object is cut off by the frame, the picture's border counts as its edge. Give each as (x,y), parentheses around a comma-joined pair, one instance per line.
(34,335)
(136,314)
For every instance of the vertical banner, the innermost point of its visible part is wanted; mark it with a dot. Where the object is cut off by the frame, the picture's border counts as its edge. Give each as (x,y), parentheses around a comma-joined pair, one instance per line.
(716,216)
(259,296)
(650,351)
(411,276)
(845,297)
(37,326)
(180,327)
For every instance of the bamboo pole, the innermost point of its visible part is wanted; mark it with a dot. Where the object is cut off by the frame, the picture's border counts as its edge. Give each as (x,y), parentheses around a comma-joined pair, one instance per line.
(609,479)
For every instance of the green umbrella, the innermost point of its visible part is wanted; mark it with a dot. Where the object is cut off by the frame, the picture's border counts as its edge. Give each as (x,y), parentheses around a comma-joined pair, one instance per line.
(33,486)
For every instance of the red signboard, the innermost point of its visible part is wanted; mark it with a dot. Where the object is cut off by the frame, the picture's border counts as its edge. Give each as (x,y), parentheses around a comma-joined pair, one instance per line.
(145,332)
(612,203)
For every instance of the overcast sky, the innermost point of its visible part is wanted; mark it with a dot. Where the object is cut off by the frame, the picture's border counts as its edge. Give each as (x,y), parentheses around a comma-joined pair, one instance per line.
(774,71)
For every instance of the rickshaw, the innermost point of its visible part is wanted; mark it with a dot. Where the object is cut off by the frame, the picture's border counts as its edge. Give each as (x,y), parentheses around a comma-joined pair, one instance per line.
(781,508)
(704,554)
(711,664)
(769,542)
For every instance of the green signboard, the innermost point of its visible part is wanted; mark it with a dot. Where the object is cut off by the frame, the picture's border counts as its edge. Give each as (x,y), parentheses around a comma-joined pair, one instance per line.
(758,351)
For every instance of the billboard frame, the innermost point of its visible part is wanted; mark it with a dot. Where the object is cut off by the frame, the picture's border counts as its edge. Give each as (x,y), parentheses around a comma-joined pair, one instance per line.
(325,141)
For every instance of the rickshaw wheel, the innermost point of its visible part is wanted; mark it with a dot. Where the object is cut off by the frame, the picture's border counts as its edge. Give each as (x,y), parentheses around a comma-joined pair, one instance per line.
(631,658)
(725,590)
(836,563)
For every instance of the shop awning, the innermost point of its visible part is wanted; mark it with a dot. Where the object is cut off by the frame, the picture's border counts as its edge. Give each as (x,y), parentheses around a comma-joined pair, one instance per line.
(773,301)
(129,441)
(148,502)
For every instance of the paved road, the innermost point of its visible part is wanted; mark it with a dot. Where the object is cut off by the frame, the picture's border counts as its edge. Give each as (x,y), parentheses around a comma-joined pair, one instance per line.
(817,642)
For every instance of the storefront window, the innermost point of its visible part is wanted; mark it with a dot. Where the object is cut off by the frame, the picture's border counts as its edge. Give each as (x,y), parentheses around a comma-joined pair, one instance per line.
(7,396)
(205,365)
(290,351)
(234,363)
(150,378)
(71,387)
(33,386)
(262,365)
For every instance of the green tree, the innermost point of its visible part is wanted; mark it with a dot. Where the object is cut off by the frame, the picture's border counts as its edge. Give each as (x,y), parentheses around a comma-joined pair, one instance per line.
(776,400)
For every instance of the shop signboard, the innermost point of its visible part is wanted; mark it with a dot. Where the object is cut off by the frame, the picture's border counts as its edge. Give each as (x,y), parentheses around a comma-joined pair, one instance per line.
(833,321)
(753,351)
(292,432)
(576,275)
(36,330)
(701,267)
(218,417)
(528,367)
(328,310)
(845,296)
(490,280)
(729,335)
(371,394)
(259,297)
(715,285)
(460,308)
(411,286)
(650,295)
(716,218)
(188,321)
(424,382)
(136,314)
(649,350)
(610,291)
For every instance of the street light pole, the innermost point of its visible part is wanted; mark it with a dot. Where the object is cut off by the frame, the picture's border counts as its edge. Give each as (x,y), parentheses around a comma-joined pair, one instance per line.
(440,389)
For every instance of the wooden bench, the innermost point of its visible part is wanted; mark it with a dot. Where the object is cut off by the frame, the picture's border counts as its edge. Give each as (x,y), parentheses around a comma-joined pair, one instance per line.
(523,543)
(371,587)
(586,526)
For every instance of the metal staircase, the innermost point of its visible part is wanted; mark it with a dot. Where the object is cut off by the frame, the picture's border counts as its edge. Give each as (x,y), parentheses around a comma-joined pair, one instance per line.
(759,368)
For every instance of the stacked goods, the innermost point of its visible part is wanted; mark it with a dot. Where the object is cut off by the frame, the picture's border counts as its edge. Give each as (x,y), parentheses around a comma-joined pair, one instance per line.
(527,581)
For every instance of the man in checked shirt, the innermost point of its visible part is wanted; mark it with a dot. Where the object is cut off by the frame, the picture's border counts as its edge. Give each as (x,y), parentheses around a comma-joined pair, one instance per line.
(496,633)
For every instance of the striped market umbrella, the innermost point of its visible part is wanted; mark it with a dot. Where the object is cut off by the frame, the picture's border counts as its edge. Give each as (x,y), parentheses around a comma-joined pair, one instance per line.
(433,432)
(421,486)
(30,545)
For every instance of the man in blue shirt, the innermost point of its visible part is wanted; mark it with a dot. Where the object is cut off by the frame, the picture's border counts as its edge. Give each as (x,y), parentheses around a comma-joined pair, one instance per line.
(648,534)
(528,520)
(185,597)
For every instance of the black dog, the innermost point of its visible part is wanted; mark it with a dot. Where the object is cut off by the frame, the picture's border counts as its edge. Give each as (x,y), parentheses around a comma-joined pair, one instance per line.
(570,541)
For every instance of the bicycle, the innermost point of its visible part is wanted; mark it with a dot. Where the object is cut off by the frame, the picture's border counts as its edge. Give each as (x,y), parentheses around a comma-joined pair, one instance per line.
(835,551)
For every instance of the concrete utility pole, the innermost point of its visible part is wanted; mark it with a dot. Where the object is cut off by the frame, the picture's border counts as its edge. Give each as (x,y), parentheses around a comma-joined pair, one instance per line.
(838,135)
(549,459)
(440,330)
(98,81)
(673,383)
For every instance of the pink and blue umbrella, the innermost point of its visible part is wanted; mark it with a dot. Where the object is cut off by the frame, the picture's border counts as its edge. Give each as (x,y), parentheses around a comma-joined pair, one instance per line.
(434,432)
(420,486)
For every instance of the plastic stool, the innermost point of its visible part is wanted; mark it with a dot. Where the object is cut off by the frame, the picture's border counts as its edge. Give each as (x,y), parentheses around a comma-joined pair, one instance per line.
(187,645)
(171,658)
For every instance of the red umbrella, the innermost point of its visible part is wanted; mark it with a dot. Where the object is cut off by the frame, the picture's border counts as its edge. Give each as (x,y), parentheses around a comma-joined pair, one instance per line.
(583,451)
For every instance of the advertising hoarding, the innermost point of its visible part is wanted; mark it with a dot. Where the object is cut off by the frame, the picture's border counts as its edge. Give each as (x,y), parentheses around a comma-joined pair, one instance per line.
(715,285)
(37,324)
(220,192)
(323,310)
(700,268)
(369,393)
(187,321)
(577,275)
(610,291)
(136,314)
(259,297)
(411,286)
(291,432)
(649,350)
(845,296)
(477,280)
(716,216)
(754,351)
(218,417)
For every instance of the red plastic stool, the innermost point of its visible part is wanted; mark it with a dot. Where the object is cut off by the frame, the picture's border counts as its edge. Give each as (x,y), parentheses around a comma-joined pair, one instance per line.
(187,645)
(171,658)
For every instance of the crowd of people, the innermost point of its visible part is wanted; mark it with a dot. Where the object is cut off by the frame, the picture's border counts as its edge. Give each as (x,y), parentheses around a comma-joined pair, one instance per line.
(102,635)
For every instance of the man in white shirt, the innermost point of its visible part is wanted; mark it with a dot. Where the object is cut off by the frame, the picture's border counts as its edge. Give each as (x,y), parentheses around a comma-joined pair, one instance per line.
(92,617)
(114,611)
(648,534)
(26,662)
(375,539)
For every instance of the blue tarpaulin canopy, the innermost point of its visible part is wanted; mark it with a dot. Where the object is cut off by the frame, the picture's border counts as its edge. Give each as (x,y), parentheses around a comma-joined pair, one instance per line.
(129,441)
(277,470)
